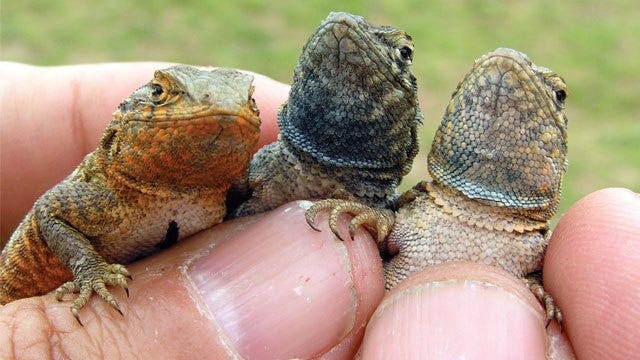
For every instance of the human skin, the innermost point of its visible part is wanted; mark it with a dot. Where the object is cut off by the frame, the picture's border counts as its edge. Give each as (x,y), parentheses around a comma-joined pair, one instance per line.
(259,289)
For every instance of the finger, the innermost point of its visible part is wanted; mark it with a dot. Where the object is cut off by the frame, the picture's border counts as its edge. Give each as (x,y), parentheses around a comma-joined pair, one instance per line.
(461,310)
(591,269)
(259,287)
(53,116)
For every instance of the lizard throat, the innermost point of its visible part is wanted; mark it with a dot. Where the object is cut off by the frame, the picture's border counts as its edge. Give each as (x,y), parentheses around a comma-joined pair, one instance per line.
(482,215)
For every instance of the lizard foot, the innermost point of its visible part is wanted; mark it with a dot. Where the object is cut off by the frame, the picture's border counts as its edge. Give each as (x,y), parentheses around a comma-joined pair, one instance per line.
(378,221)
(534,282)
(95,280)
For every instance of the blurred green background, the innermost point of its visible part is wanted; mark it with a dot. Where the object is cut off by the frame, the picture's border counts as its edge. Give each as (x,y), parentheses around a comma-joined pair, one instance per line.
(594,45)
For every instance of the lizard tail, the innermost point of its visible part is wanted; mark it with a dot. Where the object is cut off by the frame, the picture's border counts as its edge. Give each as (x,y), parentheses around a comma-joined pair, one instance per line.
(27,266)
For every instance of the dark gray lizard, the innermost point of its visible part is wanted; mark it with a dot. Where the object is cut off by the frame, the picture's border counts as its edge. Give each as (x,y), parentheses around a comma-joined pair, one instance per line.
(497,163)
(349,128)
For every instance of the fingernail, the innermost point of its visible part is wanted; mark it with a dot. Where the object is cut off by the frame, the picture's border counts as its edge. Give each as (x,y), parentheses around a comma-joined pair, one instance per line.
(455,319)
(278,287)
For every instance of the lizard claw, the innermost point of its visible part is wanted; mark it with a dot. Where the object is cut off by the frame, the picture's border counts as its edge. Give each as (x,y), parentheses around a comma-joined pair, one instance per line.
(333,220)
(312,212)
(95,280)
(378,221)
(328,204)
(311,220)
(75,315)
(119,311)
(552,311)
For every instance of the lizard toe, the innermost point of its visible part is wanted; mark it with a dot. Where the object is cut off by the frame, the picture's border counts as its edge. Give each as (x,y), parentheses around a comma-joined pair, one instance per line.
(378,222)
(97,281)
(552,311)
(70,287)
(100,288)
(332,205)
(312,212)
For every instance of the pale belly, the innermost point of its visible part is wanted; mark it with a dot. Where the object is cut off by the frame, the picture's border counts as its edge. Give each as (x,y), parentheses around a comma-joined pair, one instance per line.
(159,224)
(425,236)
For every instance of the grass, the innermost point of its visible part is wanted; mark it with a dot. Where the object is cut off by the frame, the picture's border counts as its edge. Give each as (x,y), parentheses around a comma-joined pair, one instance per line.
(592,44)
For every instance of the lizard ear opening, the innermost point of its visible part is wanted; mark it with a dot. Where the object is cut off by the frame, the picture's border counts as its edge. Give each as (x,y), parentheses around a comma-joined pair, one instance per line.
(108,138)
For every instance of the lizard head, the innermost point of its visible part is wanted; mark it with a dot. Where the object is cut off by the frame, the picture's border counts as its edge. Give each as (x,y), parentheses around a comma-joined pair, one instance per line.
(503,138)
(353,102)
(186,127)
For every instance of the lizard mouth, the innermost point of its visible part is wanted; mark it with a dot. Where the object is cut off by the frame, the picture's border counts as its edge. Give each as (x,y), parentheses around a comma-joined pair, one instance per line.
(202,117)
(161,116)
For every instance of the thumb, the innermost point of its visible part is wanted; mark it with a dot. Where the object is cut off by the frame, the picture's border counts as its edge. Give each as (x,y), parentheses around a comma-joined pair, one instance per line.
(257,287)
(462,310)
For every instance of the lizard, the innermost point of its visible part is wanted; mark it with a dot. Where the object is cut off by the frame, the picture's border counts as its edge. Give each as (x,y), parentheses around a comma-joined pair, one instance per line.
(349,127)
(496,163)
(160,173)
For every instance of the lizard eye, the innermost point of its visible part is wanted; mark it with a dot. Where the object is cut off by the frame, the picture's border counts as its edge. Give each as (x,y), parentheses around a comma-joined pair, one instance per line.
(406,53)
(156,90)
(561,95)
(158,94)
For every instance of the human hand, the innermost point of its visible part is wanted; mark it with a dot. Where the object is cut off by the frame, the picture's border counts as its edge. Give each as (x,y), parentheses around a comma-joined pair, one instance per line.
(268,286)
(184,299)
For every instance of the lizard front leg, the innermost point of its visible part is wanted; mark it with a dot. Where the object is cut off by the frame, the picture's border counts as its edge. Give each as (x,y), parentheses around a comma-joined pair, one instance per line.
(67,217)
